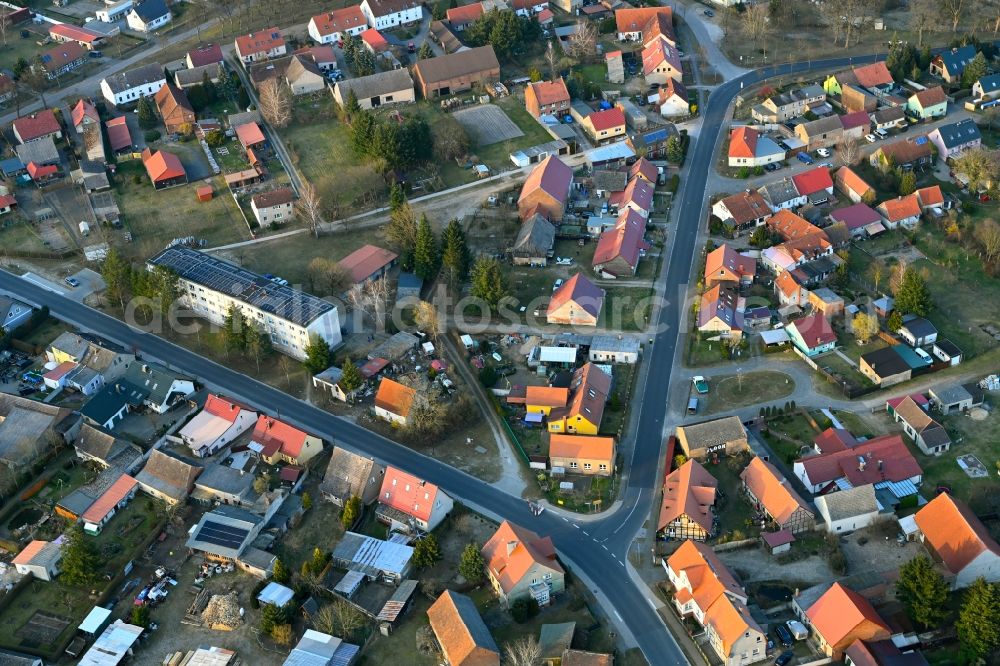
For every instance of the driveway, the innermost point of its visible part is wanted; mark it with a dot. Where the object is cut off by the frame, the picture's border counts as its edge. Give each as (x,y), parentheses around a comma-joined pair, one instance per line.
(417,39)
(90,282)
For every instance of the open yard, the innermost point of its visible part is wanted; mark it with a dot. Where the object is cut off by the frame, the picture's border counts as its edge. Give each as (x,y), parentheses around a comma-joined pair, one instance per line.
(729,392)
(487,124)
(788,434)
(732,509)
(973,437)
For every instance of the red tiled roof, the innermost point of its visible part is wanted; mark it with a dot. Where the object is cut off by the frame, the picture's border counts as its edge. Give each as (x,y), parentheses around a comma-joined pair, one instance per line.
(366,261)
(84,109)
(607,119)
(856,119)
(787,284)
(658,52)
(464,14)
(394,397)
(625,241)
(635,20)
(953,532)
(510,565)
(74,33)
(59,56)
(340,20)
(743,142)
(374,39)
(581,291)
(205,55)
(834,439)
(930,196)
(549,92)
(278,197)
(875,74)
(839,612)
(224,408)
(7,200)
(60,371)
(931,97)
(36,125)
(900,208)
(110,499)
(269,431)
(250,134)
(898,464)
(849,181)
(813,180)
(545,15)
(918,398)
(815,330)
(261,41)
(118,134)
(725,257)
(856,216)
(29,552)
(779,538)
(162,165)
(552,176)
(38,172)
(405,492)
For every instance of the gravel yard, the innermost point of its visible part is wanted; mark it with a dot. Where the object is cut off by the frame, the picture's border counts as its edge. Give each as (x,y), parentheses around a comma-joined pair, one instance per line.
(751,565)
(487,124)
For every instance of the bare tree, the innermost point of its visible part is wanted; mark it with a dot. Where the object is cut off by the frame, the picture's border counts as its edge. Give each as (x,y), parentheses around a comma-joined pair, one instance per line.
(522,652)
(993,8)
(988,234)
(952,11)
(552,60)
(309,207)
(327,276)
(339,618)
(756,23)
(878,272)
(4,24)
(923,17)
(583,43)
(426,318)
(849,152)
(370,299)
(275,103)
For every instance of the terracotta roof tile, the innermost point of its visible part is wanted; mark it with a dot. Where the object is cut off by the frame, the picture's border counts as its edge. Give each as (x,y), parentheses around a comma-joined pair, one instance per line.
(607,119)
(897,463)
(900,208)
(840,611)
(550,92)
(726,259)
(772,490)
(812,181)
(366,261)
(743,142)
(463,636)
(110,499)
(465,13)
(407,493)
(953,532)
(688,491)
(581,446)
(394,397)
(849,181)
(580,290)
(931,97)
(513,550)
(279,436)
(340,20)
(36,125)
(875,74)
(259,42)
(546,396)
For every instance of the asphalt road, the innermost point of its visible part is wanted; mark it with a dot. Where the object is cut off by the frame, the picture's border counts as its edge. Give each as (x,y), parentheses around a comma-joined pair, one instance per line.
(597,549)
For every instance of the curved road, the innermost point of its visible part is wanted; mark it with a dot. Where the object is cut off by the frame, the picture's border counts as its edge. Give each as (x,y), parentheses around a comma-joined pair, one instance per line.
(597,549)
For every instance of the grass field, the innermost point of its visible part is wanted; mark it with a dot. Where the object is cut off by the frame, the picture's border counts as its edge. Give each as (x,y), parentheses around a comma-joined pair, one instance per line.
(968,437)
(156,217)
(626,308)
(21,237)
(765,386)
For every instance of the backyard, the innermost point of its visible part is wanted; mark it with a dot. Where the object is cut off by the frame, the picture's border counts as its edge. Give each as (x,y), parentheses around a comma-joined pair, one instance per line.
(969,437)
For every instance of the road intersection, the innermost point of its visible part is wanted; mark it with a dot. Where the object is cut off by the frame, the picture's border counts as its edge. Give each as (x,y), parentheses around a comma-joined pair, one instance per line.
(596,547)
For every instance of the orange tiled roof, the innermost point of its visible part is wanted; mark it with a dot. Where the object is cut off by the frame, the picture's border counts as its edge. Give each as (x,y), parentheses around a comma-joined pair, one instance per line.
(743,142)
(110,499)
(772,490)
(581,446)
(394,397)
(875,74)
(550,92)
(900,208)
(787,284)
(839,612)
(340,20)
(688,491)
(580,290)
(636,20)
(849,181)
(405,492)
(464,14)
(546,396)
(513,550)
(461,632)
(29,552)
(259,42)
(277,435)
(725,257)
(930,196)
(954,533)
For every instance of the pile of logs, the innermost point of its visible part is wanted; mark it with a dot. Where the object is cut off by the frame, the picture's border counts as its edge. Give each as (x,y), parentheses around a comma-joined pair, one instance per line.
(222,612)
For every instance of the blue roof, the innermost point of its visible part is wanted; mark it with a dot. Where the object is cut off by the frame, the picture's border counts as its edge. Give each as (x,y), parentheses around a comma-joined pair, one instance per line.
(990,83)
(11,165)
(955,60)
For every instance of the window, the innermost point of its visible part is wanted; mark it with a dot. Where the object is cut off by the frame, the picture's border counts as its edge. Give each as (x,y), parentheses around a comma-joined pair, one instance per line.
(587,465)
(573,465)
(602,467)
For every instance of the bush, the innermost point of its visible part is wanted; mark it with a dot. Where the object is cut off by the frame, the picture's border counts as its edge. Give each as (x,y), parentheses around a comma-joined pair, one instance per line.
(523,610)
(151,136)
(673,183)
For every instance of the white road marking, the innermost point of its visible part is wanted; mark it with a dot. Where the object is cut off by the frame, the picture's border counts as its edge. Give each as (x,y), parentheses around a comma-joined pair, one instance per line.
(634,507)
(576,526)
(586,532)
(604,547)
(618,615)
(650,602)
(621,563)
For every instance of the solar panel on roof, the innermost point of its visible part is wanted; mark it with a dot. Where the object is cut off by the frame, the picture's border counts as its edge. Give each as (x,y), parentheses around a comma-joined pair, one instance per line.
(920,140)
(226,536)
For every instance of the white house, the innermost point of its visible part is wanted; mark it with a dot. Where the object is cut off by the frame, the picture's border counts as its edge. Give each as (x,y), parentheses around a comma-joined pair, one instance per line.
(955,138)
(40,559)
(959,540)
(218,423)
(334,26)
(848,510)
(383,14)
(13,313)
(160,387)
(114,12)
(261,45)
(148,15)
(128,86)
(274,206)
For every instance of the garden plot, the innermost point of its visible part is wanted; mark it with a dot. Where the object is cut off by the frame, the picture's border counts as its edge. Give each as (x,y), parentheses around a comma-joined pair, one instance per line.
(487,124)
(42,629)
(972,466)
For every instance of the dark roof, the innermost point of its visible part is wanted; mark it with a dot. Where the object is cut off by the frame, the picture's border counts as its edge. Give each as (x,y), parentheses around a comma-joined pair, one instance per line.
(959,133)
(919,327)
(948,347)
(150,10)
(224,479)
(455,65)
(110,400)
(535,237)
(137,76)
(956,59)
(153,380)
(382,83)
(169,474)
(885,362)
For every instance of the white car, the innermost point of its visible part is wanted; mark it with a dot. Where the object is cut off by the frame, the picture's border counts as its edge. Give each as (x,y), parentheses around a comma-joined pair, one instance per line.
(870,138)
(564,261)
(823,152)
(558,283)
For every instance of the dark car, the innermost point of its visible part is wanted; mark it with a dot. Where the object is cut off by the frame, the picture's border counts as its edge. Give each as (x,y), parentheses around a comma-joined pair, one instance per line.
(709,13)
(784,658)
(770,167)
(785,636)
(73,282)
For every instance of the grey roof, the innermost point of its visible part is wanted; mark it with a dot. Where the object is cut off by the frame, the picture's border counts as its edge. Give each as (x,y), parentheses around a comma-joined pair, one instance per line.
(236,119)
(611,181)
(823,125)
(948,347)
(949,395)
(849,503)
(382,83)
(959,133)
(7,304)
(611,343)
(8,658)
(714,432)
(298,66)
(137,76)
(77,502)
(99,443)
(812,90)
(398,345)
(234,525)
(20,430)
(283,301)
(553,639)
(153,380)
(224,479)
(347,473)
(150,10)
(889,114)
(195,75)
(535,237)
(778,192)
(919,327)
(42,151)
(168,474)
(457,65)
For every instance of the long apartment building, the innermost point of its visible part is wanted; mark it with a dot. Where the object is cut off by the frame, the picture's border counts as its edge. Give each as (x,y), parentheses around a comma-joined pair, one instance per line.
(210,286)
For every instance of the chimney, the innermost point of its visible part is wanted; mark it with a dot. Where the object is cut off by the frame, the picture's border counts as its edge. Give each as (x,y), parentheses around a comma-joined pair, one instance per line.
(880,465)
(511,545)
(861,463)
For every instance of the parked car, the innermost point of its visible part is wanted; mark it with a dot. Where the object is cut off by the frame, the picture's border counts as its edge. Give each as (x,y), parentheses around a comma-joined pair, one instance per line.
(73,282)
(870,138)
(558,283)
(411,47)
(785,636)
(784,658)
(709,13)
(804,157)
(823,152)
(564,261)
(770,167)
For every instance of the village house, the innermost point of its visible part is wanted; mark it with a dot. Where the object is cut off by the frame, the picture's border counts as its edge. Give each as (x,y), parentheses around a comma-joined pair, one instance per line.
(782,194)
(273,207)
(882,653)
(368,263)
(856,125)
(222,484)
(724,265)
(408,503)
(748,147)
(782,107)
(209,54)
(148,15)
(672,99)
(842,616)
(119,137)
(167,477)
(535,240)
(264,44)
(81,35)
(373,40)
(127,87)
(460,632)
(859,219)
(39,559)
(546,190)
(30,430)
(61,59)
(36,126)
(463,16)
(929,435)
(717,313)
(888,118)
(884,367)
(717,437)
(706,590)
(581,454)
(13,312)
(848,510)
(955,537)
(637,197)
(987,88)
(582,415)
(814,184)
(383,14)
(901,211)
(955,138)
(822,133)
(84,115)
(854,98)
(613,349)
(905,153)
(276,441)
(107,505)
(335,25)
(446,75)
(527,8)
(644,24)
(578,302)
(661,62)
(687,512)
(250,136)
(742,212)
(219,422)
(884,461)
(874,77)
(522,565)
(195,76)
(174,108)
(770,492)
(619,249)
(242,527)
(853,185)
(928,103)
(547,98)
(394,401)
(605,126)
(164,169)
(8,204)
(303,75)
(949,64)
(394,86)
(351,475)
(917,331)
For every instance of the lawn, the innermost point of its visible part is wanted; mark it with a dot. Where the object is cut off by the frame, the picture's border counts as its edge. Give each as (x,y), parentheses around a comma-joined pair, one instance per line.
(156,217)
(844,371)
(732,391)
(978,438)
(320,528)
(617,408)
(498,154)
(46,332)
(21,237)
(787,434)
(626,308)
(730,507)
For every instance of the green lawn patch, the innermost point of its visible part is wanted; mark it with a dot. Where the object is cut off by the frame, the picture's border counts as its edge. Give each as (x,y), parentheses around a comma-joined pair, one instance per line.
(787,434)
(978,438)
(734,513)
(626,308)
(731,391)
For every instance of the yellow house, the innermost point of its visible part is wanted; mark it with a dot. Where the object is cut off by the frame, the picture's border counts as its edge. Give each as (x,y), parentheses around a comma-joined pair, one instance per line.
(582,416)
(542,399)
(578,454)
